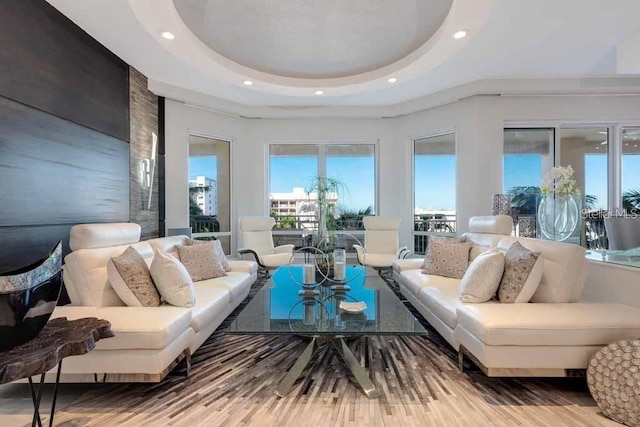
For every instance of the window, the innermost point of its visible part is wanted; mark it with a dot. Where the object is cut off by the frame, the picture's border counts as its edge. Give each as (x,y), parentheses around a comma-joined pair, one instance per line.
(434,184)
(293,167)
(210,189)
(630,168)
(528,154)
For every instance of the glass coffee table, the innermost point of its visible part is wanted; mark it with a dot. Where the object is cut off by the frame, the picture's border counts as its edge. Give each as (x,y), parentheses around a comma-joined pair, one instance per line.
(285,307)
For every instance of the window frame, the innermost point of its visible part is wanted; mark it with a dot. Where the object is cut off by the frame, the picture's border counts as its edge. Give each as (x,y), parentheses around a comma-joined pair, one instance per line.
(415,233)
(322,169)
(232,211)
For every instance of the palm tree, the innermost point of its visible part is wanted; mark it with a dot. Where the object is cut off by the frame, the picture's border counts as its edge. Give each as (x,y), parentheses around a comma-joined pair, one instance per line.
(524,199)
(631,200)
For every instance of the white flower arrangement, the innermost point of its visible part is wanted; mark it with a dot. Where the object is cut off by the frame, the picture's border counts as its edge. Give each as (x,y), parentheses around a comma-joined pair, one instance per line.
(559,181)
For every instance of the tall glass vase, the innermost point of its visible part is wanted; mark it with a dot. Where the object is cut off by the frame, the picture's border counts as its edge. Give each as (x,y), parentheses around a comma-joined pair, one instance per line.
(558,216)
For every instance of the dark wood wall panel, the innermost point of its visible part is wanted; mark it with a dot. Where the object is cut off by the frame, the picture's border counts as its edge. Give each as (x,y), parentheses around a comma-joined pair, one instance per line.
(56,172)
(51,64)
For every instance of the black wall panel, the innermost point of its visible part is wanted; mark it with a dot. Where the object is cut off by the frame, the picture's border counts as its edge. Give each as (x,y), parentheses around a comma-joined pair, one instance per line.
(56,172)
(64,131)
(48,62)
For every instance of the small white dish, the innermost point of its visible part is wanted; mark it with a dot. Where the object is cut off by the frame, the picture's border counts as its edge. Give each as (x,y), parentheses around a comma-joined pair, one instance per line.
(353,307)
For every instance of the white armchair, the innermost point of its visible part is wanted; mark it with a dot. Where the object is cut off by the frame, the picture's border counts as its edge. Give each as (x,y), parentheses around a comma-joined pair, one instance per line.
(380,242)
(258,241)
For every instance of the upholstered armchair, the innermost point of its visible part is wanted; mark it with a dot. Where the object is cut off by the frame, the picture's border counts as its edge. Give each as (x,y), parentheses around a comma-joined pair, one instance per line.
(258,241)
(380,242)
(623,232)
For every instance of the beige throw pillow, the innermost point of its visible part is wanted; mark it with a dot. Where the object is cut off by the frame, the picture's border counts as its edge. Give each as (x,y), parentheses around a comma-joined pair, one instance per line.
(481,280)
(130,278)
(172,280)
(221,256)
(448,260)
(201,261)
(522,274)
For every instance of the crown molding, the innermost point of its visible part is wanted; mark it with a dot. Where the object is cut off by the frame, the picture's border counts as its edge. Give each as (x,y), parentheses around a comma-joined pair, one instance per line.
(593,86)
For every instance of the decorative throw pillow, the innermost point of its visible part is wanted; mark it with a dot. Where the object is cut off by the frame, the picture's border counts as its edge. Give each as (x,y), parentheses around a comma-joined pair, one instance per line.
(447,239)
(448,260)
(481,280)
(219,251)
(522,273)
(172,280)
(201,261)
(130,278)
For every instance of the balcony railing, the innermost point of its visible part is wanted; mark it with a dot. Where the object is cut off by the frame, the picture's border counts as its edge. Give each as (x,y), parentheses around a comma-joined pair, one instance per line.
(299,229)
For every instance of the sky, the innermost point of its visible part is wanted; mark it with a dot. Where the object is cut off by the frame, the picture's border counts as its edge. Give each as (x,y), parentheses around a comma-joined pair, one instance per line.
(434,176)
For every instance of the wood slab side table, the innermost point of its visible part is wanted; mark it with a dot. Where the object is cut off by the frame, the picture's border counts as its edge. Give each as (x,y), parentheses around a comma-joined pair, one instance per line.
(60,338)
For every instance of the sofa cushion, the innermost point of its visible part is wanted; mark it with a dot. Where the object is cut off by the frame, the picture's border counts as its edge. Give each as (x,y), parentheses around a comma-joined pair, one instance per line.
(234,282)
(87,268)
(172,280)
(92,236)
(135,327)
(243,266)
(442,301)
(564,264)
(444,259)
(130,277)
(415,280)
(550,324)
(211,300)
(522,272)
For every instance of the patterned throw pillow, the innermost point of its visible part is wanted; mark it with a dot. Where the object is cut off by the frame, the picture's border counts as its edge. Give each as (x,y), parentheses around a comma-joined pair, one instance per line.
(448,260)
(447,239)
(481,280)
(172,280)
(219,251)
(522,274)
(130,278)
(201,261)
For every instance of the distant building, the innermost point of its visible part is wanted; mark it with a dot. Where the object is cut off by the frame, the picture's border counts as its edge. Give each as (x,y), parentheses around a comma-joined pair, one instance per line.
(298,203)
(206,197)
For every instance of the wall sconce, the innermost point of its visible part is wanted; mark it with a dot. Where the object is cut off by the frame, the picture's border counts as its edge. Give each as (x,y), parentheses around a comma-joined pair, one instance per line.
(147,168)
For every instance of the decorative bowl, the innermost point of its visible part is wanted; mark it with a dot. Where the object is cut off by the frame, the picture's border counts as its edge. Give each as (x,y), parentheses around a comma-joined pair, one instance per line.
(28,296)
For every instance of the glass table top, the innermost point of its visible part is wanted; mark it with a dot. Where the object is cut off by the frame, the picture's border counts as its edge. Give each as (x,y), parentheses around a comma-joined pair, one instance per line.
(283,306)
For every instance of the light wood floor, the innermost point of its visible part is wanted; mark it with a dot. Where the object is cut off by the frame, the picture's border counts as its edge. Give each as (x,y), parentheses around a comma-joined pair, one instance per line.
(233,378)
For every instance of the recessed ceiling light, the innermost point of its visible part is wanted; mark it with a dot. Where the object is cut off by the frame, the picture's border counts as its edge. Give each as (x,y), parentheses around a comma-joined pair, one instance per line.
(319,92)
(603,132)
(392,79)
(635,145)
(460,34)
(168,35)
(247,83)
(603,143)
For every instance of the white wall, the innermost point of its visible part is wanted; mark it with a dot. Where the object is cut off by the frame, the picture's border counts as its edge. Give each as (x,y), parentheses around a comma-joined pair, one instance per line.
(478,122)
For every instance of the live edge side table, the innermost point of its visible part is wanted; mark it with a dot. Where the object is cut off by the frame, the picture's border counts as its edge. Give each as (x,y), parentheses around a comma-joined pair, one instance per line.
(60,338)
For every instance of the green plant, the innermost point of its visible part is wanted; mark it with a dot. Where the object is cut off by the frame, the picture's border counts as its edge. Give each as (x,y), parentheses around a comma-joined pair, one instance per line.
(328,191)
(631,201)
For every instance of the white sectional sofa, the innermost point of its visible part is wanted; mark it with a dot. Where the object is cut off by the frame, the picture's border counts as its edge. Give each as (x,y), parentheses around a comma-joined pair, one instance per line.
(550,336)
(149,341)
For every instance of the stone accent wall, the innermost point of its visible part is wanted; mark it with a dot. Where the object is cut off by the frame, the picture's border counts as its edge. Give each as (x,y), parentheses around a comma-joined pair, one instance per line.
(143,107)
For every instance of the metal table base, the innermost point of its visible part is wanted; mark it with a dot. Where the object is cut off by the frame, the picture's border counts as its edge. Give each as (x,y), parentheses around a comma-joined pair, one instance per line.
(340,347)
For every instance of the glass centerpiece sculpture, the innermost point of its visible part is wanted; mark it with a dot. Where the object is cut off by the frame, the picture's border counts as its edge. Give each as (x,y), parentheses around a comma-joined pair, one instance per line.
(28,297)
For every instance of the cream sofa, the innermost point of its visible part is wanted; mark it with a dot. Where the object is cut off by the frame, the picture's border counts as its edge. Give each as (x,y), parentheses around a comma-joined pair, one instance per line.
(550,336)
(149,341)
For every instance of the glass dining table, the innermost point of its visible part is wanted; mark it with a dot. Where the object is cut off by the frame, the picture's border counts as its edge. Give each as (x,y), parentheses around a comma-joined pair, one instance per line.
(328,315)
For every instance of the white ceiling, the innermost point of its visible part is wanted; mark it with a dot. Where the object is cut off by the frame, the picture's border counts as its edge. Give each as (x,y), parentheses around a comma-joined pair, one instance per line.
(279,47)
(313,38)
